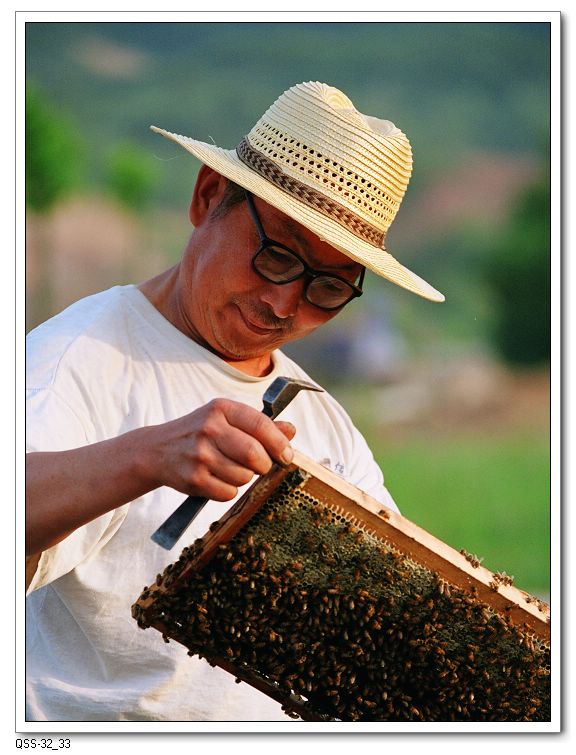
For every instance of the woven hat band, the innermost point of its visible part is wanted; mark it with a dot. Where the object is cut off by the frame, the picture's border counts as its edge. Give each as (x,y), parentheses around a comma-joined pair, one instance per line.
(268,169)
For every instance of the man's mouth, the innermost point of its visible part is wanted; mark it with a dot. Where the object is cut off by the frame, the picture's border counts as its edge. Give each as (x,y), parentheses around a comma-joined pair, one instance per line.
(256,325)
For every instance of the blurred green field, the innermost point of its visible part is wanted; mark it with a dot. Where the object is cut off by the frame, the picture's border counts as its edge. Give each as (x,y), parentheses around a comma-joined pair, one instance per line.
(489,495)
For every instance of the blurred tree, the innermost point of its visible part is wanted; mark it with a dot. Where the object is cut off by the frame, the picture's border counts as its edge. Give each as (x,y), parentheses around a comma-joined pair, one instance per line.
(130,176)
(53,153)
(54,164)
(518,272)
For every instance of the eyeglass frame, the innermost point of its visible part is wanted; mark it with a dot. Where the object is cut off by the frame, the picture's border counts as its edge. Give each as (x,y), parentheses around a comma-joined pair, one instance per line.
(309,272)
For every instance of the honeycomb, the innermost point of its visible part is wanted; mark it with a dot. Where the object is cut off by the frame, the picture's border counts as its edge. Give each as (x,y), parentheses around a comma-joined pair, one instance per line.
(334,620)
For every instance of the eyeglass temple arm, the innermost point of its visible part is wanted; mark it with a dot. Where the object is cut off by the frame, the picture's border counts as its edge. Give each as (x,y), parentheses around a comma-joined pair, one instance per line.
(255,218)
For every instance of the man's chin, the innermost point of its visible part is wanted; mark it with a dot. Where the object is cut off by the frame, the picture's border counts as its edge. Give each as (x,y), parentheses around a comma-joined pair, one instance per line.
(252,345)
(233,353)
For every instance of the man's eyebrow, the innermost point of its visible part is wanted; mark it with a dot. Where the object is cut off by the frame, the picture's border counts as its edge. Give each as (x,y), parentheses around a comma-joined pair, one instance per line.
(291,228)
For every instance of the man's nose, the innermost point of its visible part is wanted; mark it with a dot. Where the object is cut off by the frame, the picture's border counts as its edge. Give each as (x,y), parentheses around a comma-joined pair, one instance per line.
(285,298)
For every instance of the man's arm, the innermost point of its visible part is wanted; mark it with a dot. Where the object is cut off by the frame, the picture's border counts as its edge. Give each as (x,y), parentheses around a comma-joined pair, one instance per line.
(210,452)
(66,489)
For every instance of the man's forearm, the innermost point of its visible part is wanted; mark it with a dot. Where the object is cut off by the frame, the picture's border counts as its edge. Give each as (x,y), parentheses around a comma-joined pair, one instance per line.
(66,489)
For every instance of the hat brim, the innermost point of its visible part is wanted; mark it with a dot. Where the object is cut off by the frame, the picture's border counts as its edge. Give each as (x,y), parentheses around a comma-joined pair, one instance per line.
(377,260)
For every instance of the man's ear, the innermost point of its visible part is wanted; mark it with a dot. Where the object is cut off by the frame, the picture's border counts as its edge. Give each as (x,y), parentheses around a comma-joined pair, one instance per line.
(208,192)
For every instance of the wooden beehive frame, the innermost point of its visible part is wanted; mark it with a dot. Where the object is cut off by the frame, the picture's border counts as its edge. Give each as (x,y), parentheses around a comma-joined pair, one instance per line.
(455,568)
(412,540)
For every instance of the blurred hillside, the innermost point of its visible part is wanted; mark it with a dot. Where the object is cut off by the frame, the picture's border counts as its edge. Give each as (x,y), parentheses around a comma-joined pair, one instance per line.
(456,89)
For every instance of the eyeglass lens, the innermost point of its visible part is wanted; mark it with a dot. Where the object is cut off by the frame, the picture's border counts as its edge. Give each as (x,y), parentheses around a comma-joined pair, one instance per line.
(278,265)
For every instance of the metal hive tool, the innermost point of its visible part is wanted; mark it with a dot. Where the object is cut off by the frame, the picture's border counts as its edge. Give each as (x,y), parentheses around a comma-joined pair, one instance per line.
(340,609)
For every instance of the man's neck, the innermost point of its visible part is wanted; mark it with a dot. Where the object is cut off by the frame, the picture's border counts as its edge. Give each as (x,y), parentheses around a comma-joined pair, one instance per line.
(162,292)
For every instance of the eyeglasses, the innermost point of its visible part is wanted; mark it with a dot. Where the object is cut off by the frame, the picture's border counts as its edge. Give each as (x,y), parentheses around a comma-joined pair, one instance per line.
(279,264)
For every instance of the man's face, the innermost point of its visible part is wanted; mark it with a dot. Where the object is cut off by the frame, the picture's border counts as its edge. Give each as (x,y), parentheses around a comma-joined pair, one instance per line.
(237,313)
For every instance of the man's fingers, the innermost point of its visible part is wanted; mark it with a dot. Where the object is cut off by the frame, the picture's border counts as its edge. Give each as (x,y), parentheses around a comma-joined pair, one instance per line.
(239,457)
(287,428)
(246,451)
(264,434)
(230,472)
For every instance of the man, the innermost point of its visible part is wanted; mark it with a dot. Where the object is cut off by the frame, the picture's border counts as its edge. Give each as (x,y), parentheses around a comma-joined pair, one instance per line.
(140,395)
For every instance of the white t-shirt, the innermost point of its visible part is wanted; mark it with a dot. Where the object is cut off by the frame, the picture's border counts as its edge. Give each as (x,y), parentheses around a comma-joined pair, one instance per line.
(109,364)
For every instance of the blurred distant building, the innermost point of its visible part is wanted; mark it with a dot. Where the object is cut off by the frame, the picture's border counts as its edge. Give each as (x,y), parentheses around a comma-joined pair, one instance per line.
(481,187)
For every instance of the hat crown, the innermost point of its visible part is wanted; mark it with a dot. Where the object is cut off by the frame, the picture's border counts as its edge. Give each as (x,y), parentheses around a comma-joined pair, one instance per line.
(315,135)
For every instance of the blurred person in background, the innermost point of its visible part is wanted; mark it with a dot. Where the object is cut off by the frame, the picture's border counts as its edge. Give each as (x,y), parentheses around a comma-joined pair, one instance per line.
(144,393)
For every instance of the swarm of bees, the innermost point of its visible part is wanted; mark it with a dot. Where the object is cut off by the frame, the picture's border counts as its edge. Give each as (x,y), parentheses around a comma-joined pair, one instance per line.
(338,624)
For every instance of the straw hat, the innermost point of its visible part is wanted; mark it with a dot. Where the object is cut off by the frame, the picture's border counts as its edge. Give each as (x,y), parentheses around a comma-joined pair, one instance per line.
(337,172)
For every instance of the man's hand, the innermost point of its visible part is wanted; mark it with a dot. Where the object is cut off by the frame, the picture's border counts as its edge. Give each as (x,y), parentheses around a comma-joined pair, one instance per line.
(218,448)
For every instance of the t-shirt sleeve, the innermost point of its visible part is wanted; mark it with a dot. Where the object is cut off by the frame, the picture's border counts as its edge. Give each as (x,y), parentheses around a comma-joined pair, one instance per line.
(52,425)
(367,474)
(327,434)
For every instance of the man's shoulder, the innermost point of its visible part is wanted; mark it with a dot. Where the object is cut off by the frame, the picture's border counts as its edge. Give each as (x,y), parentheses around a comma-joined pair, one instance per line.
(325,401)
(81,314)
(97,319)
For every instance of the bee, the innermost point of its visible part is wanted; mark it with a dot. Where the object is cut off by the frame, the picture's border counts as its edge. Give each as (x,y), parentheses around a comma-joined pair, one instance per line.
(444,589)
(309,542)
(504,578)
